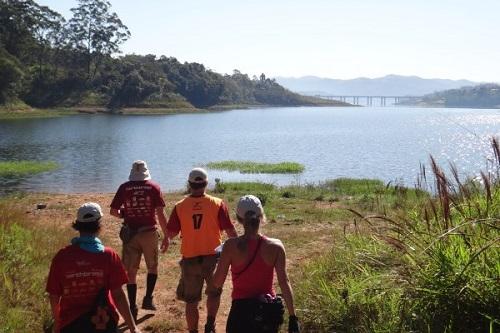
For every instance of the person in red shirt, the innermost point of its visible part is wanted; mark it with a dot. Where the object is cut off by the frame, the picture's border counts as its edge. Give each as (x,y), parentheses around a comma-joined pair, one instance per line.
(85,281)
(200,218)
(253,259)
(139,202)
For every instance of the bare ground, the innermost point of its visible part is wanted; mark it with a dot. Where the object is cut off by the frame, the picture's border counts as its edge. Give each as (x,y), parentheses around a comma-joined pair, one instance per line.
(303,241)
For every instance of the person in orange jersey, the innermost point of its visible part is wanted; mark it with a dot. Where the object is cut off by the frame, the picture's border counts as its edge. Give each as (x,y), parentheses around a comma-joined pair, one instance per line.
(200,218)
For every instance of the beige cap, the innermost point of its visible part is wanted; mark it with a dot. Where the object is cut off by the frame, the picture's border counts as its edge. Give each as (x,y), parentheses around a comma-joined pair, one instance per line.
(139,171)
(89,212)
(198,175)
(249,206)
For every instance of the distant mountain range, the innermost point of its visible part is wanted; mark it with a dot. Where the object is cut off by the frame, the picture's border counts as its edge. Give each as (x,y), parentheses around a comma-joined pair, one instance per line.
(390,85)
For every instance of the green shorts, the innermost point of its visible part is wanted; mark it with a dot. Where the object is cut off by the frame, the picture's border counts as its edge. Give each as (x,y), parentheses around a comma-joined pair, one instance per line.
(195,271)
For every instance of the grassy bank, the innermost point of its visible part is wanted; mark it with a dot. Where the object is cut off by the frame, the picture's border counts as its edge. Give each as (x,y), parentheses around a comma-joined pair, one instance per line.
(22,168)
(25,253)
(363,256)
(427,267)
(8,112)
(256,167)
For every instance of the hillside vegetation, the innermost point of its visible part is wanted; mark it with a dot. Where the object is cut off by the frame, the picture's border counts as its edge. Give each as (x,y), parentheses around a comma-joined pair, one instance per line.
(480,96)
(47,61)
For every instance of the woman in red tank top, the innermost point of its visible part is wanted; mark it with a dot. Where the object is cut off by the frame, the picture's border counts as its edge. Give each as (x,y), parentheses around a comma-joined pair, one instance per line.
(253,259)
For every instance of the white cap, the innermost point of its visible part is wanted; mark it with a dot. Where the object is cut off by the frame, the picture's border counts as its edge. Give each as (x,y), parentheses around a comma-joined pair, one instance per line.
(139,171)
(249,206)
(198,175)
(89,212)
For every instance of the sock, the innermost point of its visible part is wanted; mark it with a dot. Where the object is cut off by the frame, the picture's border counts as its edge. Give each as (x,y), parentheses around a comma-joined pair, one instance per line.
(150,284)
(132,294)
(210,322)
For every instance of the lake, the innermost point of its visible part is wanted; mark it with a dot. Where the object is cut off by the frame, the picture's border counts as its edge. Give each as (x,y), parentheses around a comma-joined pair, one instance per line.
(95,151)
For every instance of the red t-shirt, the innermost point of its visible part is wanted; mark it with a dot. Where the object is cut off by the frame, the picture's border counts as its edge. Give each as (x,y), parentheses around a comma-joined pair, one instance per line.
(77,276)
(138,200)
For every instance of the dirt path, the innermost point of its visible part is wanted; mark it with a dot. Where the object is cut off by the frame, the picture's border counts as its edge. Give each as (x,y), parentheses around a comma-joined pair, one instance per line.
(302,242)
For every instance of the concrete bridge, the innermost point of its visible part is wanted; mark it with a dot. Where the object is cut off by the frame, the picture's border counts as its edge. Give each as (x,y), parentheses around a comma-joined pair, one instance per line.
(369,100)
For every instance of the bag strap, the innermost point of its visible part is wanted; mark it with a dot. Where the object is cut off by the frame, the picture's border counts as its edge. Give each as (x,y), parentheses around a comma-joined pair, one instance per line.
(251,260)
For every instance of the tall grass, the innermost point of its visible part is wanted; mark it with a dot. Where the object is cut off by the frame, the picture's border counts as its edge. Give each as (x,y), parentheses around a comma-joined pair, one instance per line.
(434,269)
(25,255)
(256,167)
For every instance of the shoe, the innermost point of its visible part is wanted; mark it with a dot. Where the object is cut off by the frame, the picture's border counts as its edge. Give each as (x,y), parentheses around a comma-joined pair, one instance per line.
(134,311)
(209,329)
(147,303)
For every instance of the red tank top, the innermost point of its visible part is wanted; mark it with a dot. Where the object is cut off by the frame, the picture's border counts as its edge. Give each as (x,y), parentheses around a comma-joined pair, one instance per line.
(256,280)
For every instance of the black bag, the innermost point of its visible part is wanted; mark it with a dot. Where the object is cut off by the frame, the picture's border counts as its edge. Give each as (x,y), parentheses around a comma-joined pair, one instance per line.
(269,315)
(256,315)
(126,233)
(97,320)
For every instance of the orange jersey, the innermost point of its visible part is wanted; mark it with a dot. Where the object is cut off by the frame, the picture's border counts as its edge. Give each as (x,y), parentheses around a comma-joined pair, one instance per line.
(200,221)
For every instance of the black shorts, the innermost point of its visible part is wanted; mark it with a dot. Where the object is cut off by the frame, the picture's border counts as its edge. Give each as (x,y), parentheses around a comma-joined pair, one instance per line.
(242,316)
(85,326)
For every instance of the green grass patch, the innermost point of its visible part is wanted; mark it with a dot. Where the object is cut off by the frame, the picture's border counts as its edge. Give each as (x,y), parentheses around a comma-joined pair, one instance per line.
(25,254)
(22,168)
(256,167)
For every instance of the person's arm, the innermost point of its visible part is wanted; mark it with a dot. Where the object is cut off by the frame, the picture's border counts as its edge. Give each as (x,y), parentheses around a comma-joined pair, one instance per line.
(222,266)
(162,220)
(231,232)
(172,229)
(124,309)
(55,307)
(117,203)
(286,289)
(283,281)
(225,221)
(115,212)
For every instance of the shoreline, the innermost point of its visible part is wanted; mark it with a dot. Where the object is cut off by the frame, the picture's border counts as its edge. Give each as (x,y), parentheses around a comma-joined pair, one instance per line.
(7,113)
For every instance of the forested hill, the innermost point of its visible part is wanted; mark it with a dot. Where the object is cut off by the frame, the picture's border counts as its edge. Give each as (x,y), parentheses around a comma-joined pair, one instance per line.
(48,61)
(480,96)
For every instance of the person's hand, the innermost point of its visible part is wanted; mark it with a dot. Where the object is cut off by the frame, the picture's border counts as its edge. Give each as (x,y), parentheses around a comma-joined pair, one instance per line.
(293,324)
(164,244)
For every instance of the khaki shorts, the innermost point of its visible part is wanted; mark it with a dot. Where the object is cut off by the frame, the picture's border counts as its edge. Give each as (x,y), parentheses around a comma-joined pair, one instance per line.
(193,272)
(146,243)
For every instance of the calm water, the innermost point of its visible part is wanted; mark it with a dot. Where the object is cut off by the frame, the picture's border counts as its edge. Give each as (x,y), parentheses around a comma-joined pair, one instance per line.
(95,151)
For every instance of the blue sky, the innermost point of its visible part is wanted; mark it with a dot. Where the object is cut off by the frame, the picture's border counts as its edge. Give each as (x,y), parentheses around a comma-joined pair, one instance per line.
(453,39)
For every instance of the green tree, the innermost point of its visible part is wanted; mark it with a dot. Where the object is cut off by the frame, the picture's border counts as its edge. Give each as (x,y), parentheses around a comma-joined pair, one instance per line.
(10,75)
(96,33)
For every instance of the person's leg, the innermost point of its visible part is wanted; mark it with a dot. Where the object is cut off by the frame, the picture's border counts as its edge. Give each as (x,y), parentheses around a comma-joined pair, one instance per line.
(213,294)
(131,258)
(192,316)
(189,290)
(213,303)
(149,244)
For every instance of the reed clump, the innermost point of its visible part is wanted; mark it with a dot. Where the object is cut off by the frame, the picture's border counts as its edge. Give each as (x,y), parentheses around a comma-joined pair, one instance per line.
(22,168)
(435,268)
(257,167)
